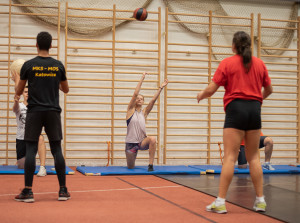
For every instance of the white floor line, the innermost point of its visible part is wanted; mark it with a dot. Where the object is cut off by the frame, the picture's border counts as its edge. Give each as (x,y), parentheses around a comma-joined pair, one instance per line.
(105,190)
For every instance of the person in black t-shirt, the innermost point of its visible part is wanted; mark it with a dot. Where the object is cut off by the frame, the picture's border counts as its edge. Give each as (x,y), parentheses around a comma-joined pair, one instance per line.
(45,76)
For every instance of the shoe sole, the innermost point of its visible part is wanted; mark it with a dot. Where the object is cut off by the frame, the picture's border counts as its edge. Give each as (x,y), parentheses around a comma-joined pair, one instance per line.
(41,175)
(26,201)
(63,198)
(259,209)
(218,212)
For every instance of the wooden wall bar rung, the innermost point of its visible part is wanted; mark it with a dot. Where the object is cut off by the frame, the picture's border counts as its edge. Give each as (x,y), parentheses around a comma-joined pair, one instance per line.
(228,24)
(187,44)
(188,22)
(272,27)
(190,52)
(80,55)
(284,49)
(279,20)
(183,59)
(278,56)
(181,74)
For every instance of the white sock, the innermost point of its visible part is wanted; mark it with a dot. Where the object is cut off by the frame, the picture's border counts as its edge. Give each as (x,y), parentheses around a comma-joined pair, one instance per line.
(220,201)
(260,199)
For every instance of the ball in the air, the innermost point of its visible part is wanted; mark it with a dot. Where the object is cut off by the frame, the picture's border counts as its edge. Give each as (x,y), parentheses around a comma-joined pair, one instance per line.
(140,14)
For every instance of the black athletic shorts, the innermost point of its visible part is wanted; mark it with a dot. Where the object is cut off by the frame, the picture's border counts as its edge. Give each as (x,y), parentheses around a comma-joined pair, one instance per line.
(242,155)
(21,148)
(243,115)
(35,121)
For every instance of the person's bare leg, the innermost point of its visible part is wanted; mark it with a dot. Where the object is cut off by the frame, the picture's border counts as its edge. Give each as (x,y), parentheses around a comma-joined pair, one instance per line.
(42,150)
(232,139)
(21,163)
(268,143)
(151,142)
(252,155)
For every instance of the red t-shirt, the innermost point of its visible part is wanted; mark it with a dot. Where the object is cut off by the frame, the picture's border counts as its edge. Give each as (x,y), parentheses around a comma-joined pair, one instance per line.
(243,143)
(237,83)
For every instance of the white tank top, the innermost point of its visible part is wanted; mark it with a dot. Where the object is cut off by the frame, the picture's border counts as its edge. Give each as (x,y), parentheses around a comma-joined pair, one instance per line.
(21,119)
(136,128)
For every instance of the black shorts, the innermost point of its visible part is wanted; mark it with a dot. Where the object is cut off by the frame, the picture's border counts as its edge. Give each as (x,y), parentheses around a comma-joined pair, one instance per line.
(35,121)
(242,155)
(21,148)
(243,115)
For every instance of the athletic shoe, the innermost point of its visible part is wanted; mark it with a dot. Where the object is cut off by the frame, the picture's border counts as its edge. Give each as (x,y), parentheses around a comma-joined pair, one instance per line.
(221,209)
(63,194)
(259,206)
(268,166)
(150,168)
(25,196)
(42,172)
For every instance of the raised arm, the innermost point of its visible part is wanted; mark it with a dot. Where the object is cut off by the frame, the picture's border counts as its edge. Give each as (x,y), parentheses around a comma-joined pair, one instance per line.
(208,91)
(153,100)
(19,85)
(132,102)
(16,106)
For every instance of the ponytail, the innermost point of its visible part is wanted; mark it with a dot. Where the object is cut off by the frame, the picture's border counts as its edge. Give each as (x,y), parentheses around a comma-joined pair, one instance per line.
(242,42)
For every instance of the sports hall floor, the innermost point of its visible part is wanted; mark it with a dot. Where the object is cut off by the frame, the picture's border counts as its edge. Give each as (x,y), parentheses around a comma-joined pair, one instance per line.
(162,198)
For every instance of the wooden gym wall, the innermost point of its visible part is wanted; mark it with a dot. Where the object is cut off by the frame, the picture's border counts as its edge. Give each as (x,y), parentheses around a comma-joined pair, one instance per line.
(104,71)
(16,45)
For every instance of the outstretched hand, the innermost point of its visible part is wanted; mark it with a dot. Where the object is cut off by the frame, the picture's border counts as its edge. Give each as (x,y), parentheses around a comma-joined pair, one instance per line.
(144,74)
(165,83)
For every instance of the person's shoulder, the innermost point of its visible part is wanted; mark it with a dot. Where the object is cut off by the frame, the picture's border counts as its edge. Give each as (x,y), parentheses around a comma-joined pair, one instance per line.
(231,59)
(256,59)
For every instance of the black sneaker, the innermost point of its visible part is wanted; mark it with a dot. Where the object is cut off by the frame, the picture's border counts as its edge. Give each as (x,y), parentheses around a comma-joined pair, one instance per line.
(63,194)
(25,196)
(150,168)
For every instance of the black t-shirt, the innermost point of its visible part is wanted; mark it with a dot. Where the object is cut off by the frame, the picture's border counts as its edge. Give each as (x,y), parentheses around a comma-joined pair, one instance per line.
(44,75)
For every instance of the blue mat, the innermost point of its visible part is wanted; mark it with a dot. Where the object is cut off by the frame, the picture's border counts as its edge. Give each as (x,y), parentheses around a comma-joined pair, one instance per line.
(278,169)
(12,169)
(138,170)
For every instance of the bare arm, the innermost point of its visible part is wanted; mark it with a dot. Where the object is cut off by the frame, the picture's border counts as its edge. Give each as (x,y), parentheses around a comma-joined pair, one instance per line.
(267,91)
(16,106)
(136,93)
(64,86)
(153,100)
(208,91)
(19,85)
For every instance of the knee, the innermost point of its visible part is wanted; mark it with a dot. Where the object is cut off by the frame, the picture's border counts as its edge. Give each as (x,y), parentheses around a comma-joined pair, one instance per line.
(152,140)
(268,141)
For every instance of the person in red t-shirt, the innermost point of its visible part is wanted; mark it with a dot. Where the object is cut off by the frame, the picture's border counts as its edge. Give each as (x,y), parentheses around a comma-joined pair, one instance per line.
(264,141)
(243,77)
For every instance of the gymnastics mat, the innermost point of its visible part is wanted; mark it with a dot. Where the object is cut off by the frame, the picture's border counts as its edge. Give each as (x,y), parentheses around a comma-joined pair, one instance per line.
(278,169)
(12,169)
(138,170)
(208,168)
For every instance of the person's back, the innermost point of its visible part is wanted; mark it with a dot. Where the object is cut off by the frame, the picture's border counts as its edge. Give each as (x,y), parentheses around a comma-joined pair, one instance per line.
(237,79)
(44,75)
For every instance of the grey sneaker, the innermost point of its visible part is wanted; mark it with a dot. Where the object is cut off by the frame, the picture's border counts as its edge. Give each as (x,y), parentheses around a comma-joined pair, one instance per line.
(221,209)
(268,166)
(260,206)
(42,172)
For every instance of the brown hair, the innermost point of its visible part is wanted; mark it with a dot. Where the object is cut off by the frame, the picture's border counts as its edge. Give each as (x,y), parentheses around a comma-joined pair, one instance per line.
(242,43)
